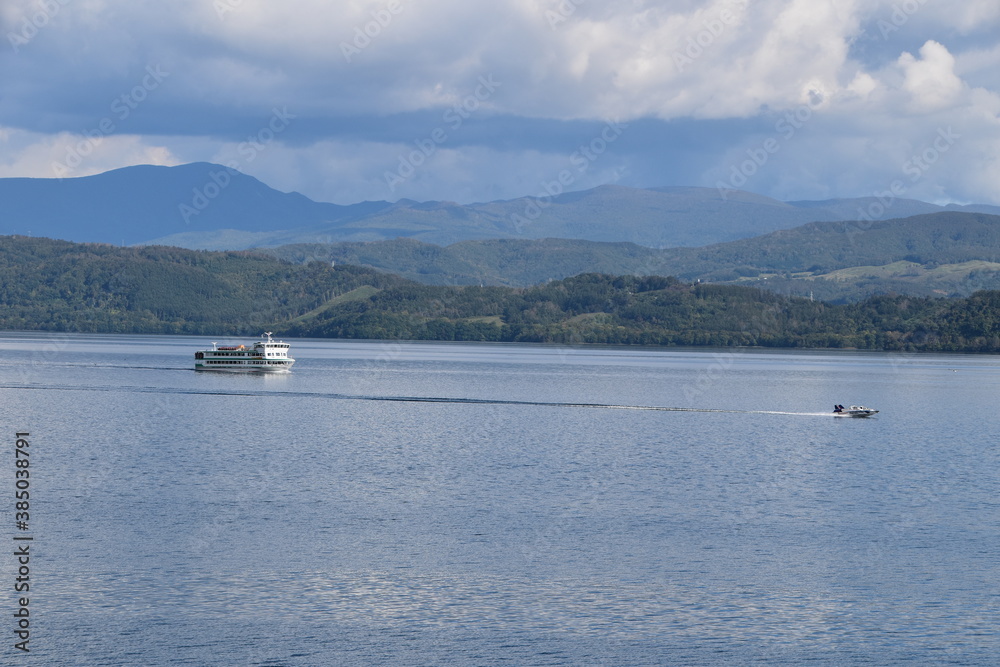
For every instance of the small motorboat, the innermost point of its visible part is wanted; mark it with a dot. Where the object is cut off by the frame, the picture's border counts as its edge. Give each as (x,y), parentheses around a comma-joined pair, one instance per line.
(853,411)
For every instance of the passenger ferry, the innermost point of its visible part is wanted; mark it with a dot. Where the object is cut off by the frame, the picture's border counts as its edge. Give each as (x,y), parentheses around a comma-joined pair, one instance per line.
(266,355)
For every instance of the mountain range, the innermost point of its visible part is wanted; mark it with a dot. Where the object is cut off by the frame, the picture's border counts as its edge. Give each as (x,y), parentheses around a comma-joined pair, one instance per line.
(827,249)
(937,254)
(208,206)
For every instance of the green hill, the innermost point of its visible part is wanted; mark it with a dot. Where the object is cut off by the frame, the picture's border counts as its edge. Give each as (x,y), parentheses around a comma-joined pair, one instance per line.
(56,285)
(652,310)
(947,254)
(513,262)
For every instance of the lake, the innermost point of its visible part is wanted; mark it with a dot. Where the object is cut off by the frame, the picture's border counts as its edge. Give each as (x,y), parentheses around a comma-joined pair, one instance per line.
(475,504)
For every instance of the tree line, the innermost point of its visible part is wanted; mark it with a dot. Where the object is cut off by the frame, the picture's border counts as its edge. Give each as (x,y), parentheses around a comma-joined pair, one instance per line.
(61,286)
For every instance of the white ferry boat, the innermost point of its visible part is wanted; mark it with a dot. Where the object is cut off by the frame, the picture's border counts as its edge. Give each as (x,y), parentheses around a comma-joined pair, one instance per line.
(266,355)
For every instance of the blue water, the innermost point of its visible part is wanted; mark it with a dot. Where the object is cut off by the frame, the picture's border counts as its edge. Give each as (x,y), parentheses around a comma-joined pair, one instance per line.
(530,514)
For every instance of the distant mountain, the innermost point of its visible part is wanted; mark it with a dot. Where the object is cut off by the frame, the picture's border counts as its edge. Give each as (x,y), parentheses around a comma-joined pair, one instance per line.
(207,206)
(663,217)
(658,218)
(949,253)
(851,209)
(136,204)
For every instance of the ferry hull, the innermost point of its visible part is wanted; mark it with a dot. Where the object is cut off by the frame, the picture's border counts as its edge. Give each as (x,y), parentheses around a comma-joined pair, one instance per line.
(248,368)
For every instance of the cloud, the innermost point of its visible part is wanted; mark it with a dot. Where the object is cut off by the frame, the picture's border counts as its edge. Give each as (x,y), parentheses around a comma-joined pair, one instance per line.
(966,17)
(599,61)
(699,82)
(34,155)
(931,80)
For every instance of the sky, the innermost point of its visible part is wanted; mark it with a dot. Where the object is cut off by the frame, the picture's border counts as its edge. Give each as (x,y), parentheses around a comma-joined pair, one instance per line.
(477,101)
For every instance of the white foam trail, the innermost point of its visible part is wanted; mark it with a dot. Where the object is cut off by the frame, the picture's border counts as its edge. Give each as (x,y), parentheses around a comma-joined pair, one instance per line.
(403,399)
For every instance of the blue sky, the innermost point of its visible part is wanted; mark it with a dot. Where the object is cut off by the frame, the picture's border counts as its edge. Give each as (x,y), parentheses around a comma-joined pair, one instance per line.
(473,101)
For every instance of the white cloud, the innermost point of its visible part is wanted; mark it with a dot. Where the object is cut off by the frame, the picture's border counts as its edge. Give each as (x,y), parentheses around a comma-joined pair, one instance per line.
(35,155)
(931,80)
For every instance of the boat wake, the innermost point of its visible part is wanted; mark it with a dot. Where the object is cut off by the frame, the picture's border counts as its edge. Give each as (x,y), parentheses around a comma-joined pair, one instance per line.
(398,399)
(130,367)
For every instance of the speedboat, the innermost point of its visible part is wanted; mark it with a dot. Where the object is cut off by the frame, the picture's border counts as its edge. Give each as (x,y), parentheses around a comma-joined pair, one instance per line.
(853,411)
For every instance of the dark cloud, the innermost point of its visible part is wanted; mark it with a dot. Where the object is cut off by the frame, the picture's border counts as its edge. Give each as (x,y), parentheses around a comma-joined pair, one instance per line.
(701,85)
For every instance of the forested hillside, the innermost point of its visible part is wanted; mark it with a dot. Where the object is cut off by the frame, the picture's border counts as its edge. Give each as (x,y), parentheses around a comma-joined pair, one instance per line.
(947,254)
(55,285)
(651,310)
